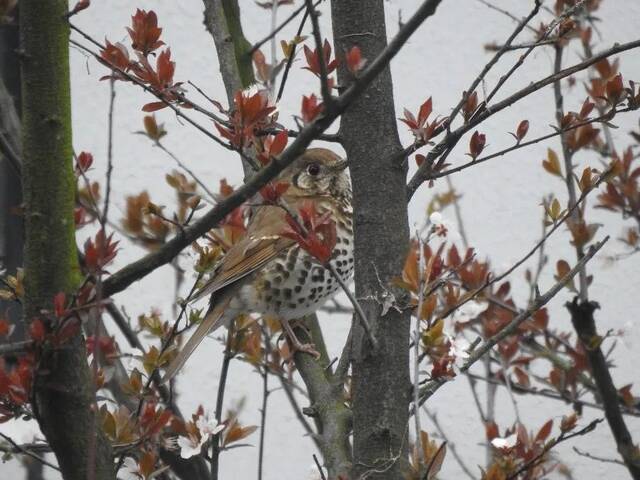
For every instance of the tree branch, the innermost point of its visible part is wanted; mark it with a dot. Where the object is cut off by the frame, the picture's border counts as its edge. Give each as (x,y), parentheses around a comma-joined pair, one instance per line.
(585,326)
(451,139)
(433,385)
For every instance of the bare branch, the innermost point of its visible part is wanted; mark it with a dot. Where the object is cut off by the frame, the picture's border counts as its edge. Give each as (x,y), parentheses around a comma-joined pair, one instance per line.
(584,324)
(521,25)
(432,386)
(599,459)
(25,451)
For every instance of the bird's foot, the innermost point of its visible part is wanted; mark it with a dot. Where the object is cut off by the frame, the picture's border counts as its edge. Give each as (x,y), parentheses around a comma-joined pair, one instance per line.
(295,345)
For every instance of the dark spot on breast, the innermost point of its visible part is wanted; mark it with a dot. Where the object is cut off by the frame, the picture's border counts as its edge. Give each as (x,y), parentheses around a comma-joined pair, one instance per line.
(307,264)
(277,280)
(298,288)
(287,293)
(292,305)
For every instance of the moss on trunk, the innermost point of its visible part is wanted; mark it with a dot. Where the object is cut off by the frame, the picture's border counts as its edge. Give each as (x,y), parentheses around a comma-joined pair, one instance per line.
(63,389)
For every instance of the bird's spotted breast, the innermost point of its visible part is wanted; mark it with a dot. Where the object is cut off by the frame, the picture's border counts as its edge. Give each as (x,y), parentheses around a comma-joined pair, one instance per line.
(294,284)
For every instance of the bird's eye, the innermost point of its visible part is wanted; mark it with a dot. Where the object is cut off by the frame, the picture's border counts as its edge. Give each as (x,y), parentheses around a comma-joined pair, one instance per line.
(313,169)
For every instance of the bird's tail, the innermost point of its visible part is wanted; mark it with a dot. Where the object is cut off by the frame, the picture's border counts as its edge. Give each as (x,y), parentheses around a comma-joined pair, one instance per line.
(211,322)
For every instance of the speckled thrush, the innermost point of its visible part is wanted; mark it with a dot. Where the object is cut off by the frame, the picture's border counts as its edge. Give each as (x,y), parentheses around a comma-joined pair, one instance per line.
(268,273)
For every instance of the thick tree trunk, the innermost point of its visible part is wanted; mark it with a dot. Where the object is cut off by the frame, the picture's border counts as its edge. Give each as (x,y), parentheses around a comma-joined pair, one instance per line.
(381,385)
(63,395)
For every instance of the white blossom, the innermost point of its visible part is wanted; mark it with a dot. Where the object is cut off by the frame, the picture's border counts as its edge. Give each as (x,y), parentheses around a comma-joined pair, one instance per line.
(206,426)
(188,447)
(130,470)
(506,442)
(469,311)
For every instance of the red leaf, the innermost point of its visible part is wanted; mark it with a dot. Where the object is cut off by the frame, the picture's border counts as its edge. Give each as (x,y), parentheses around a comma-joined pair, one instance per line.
(476,144)
(523,128)
(271,192)
(37,331)
(144,32)
(117,56)
(310,108)
(354,60)
(81,5)
(586,109)
(544,431)
(5,328)
(153,106)
(279,143)
(59,305)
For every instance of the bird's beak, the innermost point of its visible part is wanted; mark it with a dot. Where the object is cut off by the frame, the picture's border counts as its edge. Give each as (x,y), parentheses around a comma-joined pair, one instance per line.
(341,165)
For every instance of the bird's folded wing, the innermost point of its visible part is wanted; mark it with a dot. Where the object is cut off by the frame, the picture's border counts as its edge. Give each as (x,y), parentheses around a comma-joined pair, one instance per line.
(261,245)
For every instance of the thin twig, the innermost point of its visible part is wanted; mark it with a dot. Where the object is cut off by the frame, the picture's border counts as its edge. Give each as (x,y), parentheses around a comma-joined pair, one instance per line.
(277,30)
(601,119)
(209,193)
(522,57)
(264,373)
(222,385)
(450,446)
(505,12)
(356,305)
(18,448)
(595,457)
(450,141)
(287,67)
(324,77)
(315,459)
(523,23)
(529,254)
(564,436)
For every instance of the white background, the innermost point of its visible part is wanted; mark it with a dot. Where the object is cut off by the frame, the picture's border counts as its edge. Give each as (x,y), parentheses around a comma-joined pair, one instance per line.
(501,202)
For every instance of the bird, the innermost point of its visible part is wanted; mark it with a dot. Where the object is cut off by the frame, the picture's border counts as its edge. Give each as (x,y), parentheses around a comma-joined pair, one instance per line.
(271,274)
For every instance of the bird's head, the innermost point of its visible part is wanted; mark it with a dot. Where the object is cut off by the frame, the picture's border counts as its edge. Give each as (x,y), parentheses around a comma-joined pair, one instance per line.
(318,172)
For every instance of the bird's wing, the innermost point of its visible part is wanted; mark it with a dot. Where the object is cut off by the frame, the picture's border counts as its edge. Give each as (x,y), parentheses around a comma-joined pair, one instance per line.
(261,245)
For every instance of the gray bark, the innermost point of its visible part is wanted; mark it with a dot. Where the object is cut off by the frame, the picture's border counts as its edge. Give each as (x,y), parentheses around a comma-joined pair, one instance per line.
(381,384)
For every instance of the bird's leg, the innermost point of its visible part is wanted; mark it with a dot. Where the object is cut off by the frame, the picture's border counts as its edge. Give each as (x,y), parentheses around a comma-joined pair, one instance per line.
(296,344)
